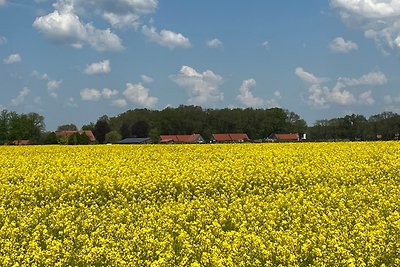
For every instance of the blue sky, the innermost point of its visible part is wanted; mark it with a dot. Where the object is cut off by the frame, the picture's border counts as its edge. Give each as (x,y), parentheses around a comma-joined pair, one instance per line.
(73,61)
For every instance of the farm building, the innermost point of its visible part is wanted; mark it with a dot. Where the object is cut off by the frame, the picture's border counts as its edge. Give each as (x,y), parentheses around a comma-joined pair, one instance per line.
(128,141)
(20,142)
(67,133)
(230,138)
(286,137)
(182,139)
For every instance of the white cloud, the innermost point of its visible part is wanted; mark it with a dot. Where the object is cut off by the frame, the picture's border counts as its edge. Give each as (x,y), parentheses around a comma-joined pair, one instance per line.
(52,85)
(2,2)
(102,67)
(138,94)
(366,98)
(109,93)
(14,58)
(265,44)
(146,79)
(392,99)
(93,94)
(71,103)
(65,27)
(166,38)
(371,78)
(202,88)
(20,98)
(119,13)
(308,77)
(214,43)
(90,94)
(246,97)
(3,40)
(322,96)
(339,45)
(119,102)
(379,19)
(38,100)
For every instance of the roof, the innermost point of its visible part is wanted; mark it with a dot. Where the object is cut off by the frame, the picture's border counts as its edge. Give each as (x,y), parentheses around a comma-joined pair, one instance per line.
(291,136)
(134,141)
(230,137)
(87,132)
(21,142)
(181,138)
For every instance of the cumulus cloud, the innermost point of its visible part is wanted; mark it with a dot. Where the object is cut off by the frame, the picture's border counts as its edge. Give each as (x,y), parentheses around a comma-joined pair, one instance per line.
(21,97)
(71,103)
(119,102)
(214,43)
(322,96)
(102,67)
(90,94)
(146,79)
(378,19)
(93,94)
(339,45)
(202,88)
(138,94)
(366,98)
(119,13)
(246,97)
(308,77)
(109,93)
(52,85)
(389,99)
(166,38)
(65,27)
(14,58)
(265,44)
(3,40)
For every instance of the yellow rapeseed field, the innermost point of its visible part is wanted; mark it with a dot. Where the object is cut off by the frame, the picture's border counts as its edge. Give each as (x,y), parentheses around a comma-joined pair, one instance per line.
(307,204)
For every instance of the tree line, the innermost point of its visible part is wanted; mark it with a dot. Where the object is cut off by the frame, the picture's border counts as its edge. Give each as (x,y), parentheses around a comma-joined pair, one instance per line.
(258,124)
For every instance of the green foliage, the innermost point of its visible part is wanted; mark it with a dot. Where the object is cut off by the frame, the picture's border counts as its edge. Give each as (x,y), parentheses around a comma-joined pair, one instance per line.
(101,128)
(113,137)
(78,139)
(67,127)
(51,138)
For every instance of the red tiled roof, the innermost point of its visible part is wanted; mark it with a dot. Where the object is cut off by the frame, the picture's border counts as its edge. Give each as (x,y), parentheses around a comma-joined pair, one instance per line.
(287,136)
(230,137)
(180,138)
(87,132)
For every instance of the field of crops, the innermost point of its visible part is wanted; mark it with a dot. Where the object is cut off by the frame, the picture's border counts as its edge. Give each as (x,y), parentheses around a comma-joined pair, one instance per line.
(322,204)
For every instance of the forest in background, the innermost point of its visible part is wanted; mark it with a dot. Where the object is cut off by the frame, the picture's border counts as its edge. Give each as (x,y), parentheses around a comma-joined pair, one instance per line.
(258,124)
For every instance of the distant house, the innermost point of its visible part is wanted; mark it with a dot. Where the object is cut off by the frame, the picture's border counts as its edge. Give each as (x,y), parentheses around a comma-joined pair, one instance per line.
(230,138)
(287,137)
(128,141)
(20,142)
(68,133)
(182,139)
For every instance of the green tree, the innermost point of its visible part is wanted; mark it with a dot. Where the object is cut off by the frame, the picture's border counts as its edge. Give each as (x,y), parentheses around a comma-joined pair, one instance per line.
(67,127)
(51,138)
(4,126)
(124,130)
(26,126)
(88,127)
(101,128)
(113,137)
(140,129)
